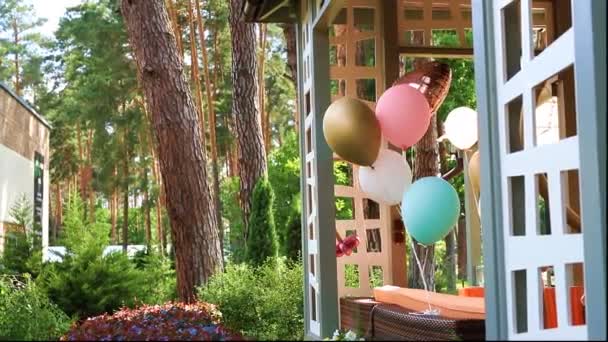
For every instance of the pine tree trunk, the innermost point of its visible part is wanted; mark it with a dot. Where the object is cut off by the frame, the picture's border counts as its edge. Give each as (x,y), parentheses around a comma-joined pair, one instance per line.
(289,31)
(114,210)
(265,117)
(177,31)
(58,210)
(195,79)
(146,208)
(251,151)
(80,160)
(450,239)
(194,229)
(425,165)
(212,123)
(91,192)
(125,204)
(159,217)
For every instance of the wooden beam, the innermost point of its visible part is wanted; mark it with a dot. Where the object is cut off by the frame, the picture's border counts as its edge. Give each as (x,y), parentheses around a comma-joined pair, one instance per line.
(327,13)
(436,52)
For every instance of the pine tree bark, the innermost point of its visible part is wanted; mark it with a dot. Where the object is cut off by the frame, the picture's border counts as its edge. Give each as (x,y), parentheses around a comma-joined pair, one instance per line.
(195,78)
(159,217)
(212,122)
(125,204)
(147,216)
(265,117)
(114,210)
(194,229)
(91,192)
(58,210)
(450,239)
(177,30)
(289,31)
(251,151)
(426,165)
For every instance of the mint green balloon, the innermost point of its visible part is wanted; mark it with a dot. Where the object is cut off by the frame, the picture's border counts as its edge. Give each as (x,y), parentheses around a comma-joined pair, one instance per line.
(430,209)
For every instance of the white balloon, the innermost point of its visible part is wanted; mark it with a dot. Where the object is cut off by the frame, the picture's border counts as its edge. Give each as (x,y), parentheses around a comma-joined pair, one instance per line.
(387,180)
(461,127)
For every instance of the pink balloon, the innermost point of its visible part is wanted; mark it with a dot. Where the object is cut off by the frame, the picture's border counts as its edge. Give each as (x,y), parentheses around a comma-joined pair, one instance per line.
(404,115)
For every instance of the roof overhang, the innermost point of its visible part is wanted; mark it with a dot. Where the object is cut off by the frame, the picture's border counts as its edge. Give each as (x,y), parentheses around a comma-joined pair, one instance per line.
(269,11)
(23,103)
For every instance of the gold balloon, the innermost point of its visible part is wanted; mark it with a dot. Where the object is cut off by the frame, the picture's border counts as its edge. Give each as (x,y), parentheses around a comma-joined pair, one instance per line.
(474,173)
(352,131)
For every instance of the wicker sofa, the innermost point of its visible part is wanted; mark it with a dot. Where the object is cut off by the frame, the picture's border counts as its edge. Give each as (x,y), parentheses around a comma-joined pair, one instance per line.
(398,317)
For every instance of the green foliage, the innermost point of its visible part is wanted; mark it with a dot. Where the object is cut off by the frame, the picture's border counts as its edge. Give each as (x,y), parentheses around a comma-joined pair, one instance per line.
(441,277)
(291,237)
(279,87)
(26,313)
(342,173)
(18,23)
(284,176)
(343,176)
(265,303)
(351,275)
(261,236)
(22,244)
(159,280)
(232,218)
(344,208)
(86,283)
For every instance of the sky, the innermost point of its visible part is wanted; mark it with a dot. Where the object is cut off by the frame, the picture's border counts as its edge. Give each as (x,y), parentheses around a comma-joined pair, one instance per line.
(52,10)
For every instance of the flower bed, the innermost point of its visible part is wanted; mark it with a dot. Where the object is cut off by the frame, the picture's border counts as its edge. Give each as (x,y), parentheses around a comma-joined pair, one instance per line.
(168,322)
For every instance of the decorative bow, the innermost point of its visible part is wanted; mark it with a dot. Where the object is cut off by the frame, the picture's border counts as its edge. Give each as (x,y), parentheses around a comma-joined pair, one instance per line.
(346,246)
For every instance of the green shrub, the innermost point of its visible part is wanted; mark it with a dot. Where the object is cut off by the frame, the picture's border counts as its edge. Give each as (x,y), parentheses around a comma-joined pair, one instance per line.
(265,303)
(284,176)
(290,239)
(160,281)
(26,313)
(261,234)
(86,283)
(233,219)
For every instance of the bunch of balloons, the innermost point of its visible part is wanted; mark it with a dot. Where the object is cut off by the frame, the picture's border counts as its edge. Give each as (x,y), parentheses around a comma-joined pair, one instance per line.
(430,206)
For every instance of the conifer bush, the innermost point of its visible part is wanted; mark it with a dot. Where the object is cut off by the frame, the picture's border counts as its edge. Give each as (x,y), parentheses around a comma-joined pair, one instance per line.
(261,235)
(86,283)
(291,237)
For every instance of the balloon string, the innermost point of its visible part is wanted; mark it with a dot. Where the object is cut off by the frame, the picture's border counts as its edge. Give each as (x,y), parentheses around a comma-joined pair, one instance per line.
(420,268)
(428,295)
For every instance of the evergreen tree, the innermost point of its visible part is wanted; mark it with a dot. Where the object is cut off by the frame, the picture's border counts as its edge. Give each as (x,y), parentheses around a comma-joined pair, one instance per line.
(23,242)
(291,237)
(261,236)
(20,57)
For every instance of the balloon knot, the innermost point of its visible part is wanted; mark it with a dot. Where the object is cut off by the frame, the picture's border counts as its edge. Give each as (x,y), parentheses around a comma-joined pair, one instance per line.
(372,167)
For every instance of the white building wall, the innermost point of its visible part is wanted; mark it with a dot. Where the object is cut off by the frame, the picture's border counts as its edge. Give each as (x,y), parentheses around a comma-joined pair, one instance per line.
(17,179)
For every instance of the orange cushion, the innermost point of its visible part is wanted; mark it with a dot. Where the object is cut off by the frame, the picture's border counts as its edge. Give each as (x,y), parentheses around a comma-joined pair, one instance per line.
(472,291)
(449,306)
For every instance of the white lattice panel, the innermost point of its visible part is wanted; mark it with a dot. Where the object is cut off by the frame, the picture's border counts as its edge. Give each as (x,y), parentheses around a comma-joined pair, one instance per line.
(529,250)
(349,50)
